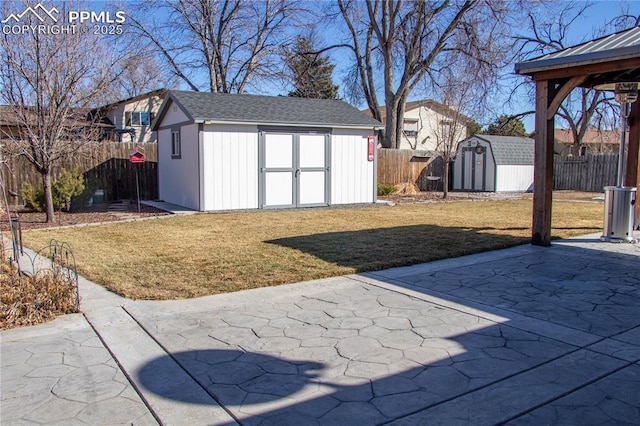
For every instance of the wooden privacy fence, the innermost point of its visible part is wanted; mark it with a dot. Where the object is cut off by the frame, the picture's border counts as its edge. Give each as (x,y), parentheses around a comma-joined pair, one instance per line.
(105,166)
(579,173)
(585,173)
(397,166)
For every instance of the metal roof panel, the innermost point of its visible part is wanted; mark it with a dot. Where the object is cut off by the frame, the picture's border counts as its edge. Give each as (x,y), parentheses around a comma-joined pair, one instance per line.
(621,45)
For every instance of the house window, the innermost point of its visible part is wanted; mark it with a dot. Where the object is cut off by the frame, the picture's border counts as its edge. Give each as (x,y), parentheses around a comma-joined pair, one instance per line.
(138,118)
(410,127)
(175,144)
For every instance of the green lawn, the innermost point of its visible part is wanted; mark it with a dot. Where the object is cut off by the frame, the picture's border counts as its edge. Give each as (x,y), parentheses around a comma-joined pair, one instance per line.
(189,256)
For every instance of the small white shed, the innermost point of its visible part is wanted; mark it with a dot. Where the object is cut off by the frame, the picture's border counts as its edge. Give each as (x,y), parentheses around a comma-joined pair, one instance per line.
(221,151)
(494,164)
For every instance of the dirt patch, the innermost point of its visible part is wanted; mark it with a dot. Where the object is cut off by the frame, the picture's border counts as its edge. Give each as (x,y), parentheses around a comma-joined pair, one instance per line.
(30,220)
(437,197)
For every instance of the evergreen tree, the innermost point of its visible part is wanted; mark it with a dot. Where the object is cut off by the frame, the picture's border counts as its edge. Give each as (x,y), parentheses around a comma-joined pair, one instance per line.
(473,128)
(311,72)
(506,126)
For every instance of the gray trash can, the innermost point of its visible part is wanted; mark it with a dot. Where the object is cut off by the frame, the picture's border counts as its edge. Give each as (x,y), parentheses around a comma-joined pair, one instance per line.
(619,212)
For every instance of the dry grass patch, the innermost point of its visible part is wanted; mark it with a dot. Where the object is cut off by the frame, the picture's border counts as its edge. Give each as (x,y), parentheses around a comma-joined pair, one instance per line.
(203,254)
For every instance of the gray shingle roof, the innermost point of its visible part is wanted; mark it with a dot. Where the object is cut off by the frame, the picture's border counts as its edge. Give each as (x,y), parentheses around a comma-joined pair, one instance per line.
(230,108)
(620,45)
(510,150)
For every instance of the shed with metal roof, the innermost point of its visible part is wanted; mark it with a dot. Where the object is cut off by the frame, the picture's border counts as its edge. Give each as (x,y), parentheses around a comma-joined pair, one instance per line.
(219,151)
(494,164)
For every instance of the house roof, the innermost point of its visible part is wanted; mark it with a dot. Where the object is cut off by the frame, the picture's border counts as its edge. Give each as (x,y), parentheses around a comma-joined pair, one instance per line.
(430,104)
(203,107)
(591,136)
(508,150)
(621,46)
(158,92)
(10,116)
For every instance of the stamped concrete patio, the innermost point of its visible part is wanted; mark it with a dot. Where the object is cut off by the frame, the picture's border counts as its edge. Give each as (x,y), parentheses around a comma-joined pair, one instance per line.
(526,335)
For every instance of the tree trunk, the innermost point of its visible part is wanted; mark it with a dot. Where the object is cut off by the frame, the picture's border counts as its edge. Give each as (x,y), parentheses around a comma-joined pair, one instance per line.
(390,136)
(445,179)
(48,196)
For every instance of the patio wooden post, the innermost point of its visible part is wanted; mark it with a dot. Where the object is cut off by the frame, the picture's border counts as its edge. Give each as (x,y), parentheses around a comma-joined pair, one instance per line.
(543,167)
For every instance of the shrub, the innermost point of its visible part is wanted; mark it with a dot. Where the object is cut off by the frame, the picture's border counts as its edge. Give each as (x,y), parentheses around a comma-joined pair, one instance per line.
(385,189)
(68,185)
(34,199)
(26,300)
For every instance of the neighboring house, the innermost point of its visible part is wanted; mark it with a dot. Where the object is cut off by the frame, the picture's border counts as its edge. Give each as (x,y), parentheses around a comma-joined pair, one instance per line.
(594,142)
(9,127)
(131,118)
(12,124)
(494,164)
(221,151)
(428,122)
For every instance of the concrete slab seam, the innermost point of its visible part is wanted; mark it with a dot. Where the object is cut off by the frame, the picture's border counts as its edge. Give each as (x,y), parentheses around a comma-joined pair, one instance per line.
(467,260)
(170,355)
(570,391)
(522,372)
(124,371)
(489,313)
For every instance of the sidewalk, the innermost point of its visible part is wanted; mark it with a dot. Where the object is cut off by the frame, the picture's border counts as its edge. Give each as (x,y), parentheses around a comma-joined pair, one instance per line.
(526,335)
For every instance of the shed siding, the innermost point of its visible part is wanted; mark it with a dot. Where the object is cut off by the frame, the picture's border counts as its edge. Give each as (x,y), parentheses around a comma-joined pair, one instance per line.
(457,171)
(230,167)
(490,181)
(352,175)
(174,115)
(178,179)
(514,178)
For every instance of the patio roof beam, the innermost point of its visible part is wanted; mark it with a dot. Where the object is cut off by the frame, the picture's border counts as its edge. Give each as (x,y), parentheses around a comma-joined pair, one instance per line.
(590,69)
(563,92)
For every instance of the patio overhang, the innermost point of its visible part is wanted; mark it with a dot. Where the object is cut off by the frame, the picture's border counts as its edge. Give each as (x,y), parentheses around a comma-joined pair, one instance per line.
(610,59)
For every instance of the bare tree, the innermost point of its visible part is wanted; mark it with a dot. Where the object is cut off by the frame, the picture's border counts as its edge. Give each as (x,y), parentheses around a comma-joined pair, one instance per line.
(408,40)
(49,81)
(463,88)
(235,41)
(140,73)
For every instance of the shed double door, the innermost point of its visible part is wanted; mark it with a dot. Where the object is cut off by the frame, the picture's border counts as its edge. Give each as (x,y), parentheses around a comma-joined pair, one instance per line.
(474,169)
(294,170)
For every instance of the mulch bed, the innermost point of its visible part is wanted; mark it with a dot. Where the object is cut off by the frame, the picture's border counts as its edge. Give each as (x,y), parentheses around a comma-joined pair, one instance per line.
(30,220)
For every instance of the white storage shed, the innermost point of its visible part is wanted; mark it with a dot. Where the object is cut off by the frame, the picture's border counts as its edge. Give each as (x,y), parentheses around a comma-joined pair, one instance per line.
(494,164)
(221,151)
